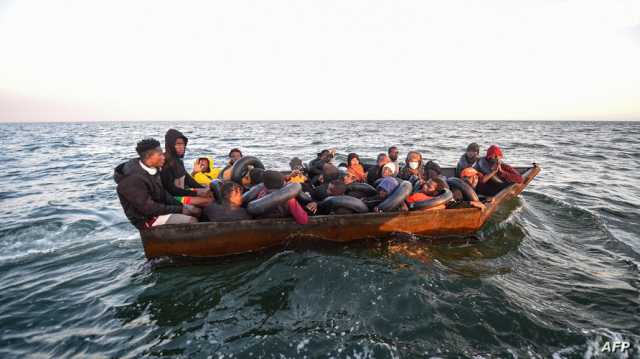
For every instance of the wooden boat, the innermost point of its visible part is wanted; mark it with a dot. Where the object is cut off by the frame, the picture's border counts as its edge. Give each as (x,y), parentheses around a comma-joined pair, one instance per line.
(217,239)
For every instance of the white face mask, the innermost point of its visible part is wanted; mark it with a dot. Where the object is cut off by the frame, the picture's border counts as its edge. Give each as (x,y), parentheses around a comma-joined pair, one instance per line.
(413,165)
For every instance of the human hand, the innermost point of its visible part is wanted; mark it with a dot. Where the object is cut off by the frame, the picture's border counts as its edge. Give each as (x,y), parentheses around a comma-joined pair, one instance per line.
(312,207)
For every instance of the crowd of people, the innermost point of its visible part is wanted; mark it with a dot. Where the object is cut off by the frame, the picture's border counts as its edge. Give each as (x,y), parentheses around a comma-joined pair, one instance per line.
(155,188)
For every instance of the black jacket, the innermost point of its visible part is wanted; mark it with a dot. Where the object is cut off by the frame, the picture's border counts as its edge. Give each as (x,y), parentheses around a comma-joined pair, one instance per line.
(174,167)
(142,195)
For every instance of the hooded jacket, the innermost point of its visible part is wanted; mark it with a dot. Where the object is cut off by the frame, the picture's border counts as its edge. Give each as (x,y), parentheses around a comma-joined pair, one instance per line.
(141,194)
(174,176)
(205,178)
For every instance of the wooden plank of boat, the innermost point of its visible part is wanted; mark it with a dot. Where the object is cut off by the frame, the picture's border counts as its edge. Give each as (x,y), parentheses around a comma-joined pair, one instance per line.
(216,239)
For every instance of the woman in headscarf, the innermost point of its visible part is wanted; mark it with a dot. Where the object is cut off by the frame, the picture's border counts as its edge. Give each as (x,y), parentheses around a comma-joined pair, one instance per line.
(354,168)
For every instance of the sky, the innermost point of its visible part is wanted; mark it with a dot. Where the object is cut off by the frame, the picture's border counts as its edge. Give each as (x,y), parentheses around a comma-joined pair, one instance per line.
(319,60)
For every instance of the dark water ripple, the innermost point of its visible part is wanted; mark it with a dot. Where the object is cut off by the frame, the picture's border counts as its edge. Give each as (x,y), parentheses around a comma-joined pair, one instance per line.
(555,274)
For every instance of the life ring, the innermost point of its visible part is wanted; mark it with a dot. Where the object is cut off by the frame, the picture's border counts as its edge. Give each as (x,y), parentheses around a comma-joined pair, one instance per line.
(216,189)
(252,193)
(262,205)
(396,197)
(467,192)
(239,168)
(364,188)
(444,197)
(334,202)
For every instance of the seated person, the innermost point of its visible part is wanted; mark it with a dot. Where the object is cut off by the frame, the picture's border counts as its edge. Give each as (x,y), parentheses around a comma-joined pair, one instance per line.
(393,154)
(413,166)
(469,158)
(273,181)
(231,208)
(354,167)
(316,165)
(298,171)
(385,188)
(175,178)
(375,172)
(491,166)
(432,170)
(329,173)
(471,177)
(234,155)
(144,200)
(204,172)
(427,191)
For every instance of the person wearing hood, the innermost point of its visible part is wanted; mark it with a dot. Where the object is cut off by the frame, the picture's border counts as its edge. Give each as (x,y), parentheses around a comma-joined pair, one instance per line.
(203,171)
(144,199)
(354,167)
(273,181)
(413,167)
(469,158)
(316,165)
(175,177)
(491,166)
(234,155)
(393,154)
(329,173)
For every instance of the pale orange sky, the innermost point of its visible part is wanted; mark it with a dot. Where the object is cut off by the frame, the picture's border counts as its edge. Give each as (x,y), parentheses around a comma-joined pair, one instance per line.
(317,60)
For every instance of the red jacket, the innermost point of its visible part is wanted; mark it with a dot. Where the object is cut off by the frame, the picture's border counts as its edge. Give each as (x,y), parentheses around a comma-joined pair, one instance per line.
(509,174)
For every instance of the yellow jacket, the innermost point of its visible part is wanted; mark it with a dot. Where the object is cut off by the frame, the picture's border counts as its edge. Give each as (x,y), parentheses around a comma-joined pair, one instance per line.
(205,178)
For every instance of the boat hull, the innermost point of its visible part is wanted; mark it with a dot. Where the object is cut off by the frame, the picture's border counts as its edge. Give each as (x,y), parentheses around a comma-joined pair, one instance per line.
(217,239)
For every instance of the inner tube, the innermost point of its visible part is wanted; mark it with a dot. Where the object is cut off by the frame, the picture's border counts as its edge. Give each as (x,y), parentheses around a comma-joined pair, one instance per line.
(467,192)
(216,189)
(272,200)
(396,197)
(239,168)
(252,193)
(364,188)
(444,197)
(351,203)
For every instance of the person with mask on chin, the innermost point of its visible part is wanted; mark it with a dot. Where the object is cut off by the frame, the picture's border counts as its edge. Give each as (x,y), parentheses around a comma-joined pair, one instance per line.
(413,168)
(393,154)
(469,158)
(495,173)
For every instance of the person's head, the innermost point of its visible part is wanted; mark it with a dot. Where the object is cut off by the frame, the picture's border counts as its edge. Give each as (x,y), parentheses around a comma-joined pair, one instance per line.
(256,176)
(348,178)
(382,159)
(329,173)
(336,188)
(393,153)
(150,153)
(430,186)
(432,170)
(386,186)
(388,169)
(232,193)
(414,160)
(494,153)
(473,151)
(175,143)
(296,164)
(470,175)
(203,164)
(273,179)
(234,155)
(325,155)
(353,159)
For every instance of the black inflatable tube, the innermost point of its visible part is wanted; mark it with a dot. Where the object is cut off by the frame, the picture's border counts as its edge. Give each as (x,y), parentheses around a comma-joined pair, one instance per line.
(334,202)
(274,199)
(444,197)
(216,189)
(252,193)
(365,188)
(467,192)
(239,168)
(396,197)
